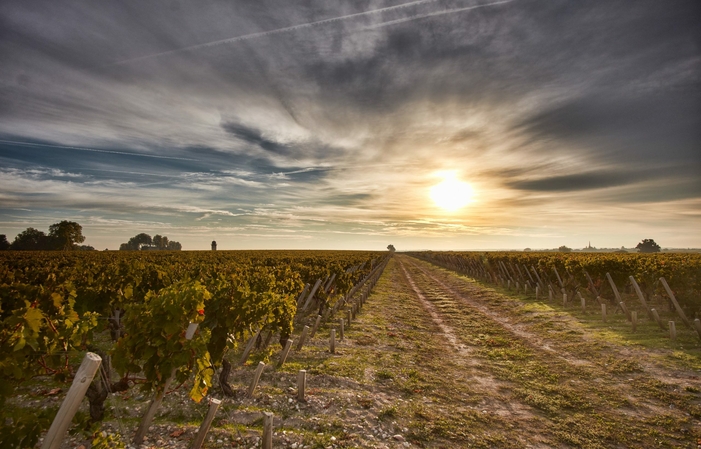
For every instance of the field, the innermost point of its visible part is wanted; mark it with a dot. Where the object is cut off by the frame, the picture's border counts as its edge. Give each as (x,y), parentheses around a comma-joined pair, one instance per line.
(434,358)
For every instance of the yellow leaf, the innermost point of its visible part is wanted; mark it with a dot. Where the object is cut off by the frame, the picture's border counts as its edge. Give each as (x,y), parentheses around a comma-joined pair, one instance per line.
(33,318)
(57,299)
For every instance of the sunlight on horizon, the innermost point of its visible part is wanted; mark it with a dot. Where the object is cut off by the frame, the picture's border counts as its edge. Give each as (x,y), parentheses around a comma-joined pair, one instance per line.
(451,194)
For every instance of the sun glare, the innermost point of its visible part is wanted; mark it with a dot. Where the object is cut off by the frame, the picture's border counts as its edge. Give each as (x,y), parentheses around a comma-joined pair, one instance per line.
(451,194)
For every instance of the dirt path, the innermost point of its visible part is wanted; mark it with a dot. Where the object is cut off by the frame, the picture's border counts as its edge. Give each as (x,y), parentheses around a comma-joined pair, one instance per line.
(607,397)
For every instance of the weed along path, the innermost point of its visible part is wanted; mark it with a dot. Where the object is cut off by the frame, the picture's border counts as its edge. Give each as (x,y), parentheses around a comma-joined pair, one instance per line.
(518,373)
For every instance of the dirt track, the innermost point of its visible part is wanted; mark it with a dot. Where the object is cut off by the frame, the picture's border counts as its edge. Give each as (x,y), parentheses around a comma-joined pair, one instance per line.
(544,372)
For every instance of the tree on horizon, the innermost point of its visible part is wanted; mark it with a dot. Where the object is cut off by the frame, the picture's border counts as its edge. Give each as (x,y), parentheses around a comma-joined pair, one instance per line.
(648,246)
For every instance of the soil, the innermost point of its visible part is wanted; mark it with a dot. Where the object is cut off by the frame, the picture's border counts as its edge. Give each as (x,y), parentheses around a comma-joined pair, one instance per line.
(436,359)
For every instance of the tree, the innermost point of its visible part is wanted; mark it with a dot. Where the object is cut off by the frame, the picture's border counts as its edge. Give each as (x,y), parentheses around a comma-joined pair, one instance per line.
(391,248)
(648,246)
(30,240)
(66,235)
(160,242)
(135,243)
(174,246)
(4,244)
(564,249)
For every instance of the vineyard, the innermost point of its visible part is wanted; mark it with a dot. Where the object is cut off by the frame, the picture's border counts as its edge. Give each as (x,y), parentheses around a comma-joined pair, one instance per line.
(644,281)
(451,350)
(172,318)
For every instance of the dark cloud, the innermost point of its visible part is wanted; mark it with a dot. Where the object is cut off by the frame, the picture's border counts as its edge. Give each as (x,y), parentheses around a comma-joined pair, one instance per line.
(255,137)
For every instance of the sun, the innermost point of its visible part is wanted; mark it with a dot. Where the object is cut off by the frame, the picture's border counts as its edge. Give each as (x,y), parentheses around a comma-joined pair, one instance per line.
(451,194)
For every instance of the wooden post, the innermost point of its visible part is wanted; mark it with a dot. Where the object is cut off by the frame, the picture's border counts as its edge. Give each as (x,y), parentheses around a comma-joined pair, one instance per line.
(603,312)
(583,302)
(267,339)
(152,409)
(349,316)
(301,295)
(672,330)
(191,329)
(641,297)
(656,316)
(267,430)
(311,294)
(204,427)
(508,284)
(248,349)
(625,310)
(332,341)
(341,325)
(256,378)
(283,356)
(681,313)
(558,277)
(564,300)
(634,320)
(301,384)
(316,326)
(537,291)
(614,288)
(697,325)
(303,338)
(550,294)
(69,406)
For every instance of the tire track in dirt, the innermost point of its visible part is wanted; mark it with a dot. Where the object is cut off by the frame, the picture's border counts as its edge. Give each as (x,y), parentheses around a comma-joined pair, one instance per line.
(492,387)
(502,321)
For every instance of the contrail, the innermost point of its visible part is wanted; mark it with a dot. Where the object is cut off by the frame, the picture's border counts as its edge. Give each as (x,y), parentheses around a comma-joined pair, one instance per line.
(285,29)
(94,150)
(437,13)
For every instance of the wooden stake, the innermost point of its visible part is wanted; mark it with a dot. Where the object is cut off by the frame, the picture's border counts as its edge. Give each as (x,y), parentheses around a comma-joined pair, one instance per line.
(204,427)
(316,326)
(301,384)
(603,312)
(341,325)
(349,317)
(656,316)
(564,300)
(248,349)
(537,291)
(256,378)
(550,294)
(301,295)
(697,325)
(152,409)
(614,288)
(625,310)
(634,320)
(332,341)
(82,380)
(583,302)
(672,330)
(681,313)
(311,294)
(267,430)
(283,356)
(303,338)
(640,296)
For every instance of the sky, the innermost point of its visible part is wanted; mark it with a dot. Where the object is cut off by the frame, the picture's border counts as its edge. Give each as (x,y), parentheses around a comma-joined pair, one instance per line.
(326,124)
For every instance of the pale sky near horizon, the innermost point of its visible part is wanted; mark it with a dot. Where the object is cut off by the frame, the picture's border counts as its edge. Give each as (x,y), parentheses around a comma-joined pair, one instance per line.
(326,124)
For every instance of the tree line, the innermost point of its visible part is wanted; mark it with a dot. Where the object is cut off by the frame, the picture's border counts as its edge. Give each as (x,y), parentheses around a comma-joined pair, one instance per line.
(145,242)
(67,236)
(63,236)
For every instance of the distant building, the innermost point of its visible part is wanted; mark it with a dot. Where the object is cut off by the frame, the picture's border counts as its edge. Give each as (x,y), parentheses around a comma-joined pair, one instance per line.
(214,245)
